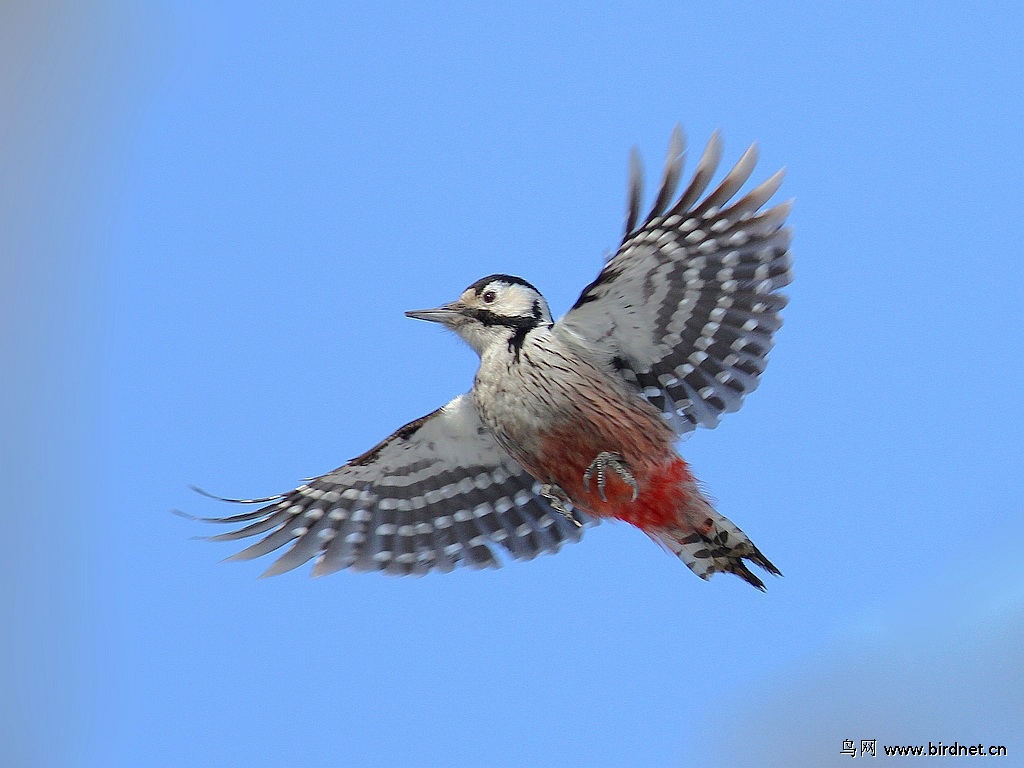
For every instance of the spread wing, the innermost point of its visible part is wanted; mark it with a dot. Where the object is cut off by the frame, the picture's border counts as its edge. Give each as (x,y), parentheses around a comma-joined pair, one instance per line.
(686,310)
(436,494)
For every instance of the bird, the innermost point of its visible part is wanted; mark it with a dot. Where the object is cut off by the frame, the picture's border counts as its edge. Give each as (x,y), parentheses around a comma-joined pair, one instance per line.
(573,421)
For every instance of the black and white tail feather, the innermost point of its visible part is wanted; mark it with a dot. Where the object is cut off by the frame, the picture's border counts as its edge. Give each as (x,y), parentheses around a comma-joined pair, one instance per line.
(715,545)
(684,312)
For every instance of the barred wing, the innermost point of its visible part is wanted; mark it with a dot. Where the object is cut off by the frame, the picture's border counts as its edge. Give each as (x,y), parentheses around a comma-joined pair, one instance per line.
(687,308)
(436,494)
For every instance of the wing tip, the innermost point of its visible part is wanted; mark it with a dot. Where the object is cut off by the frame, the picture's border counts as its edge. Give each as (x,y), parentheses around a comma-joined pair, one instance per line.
(278,567)
(215,497)
(634,191)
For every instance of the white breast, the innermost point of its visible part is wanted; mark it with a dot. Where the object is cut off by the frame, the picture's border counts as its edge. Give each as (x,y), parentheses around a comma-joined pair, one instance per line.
(551,383)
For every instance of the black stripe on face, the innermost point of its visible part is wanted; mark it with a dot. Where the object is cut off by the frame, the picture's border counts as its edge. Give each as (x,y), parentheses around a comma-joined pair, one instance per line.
(520,324)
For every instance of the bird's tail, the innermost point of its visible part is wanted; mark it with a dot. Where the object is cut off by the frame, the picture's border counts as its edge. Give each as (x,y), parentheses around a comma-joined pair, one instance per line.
(711,543)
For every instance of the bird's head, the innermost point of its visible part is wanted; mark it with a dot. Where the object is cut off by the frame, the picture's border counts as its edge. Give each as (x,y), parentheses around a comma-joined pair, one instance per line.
(493,310)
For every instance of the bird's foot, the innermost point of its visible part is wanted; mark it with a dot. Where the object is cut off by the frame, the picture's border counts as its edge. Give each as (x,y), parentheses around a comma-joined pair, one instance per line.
(599,467)
(559,501)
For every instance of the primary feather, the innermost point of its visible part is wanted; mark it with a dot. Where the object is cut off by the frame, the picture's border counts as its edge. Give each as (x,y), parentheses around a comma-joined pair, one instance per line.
(686,310)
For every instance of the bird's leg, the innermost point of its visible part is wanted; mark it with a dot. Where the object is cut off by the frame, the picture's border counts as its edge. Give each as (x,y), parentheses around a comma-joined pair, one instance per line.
(604,460)
(559,501)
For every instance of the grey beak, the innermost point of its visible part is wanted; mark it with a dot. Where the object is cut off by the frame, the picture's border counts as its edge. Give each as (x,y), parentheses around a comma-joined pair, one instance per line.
(445,315)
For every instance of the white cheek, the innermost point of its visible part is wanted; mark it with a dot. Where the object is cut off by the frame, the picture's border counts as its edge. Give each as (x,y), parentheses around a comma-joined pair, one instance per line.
(479,337)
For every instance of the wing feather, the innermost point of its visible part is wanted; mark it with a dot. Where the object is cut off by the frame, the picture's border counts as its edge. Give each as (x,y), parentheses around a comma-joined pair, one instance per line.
(635,192)
(437,494)
(673,170)
(732,182)
(706,167)
(756,197)
(686,310)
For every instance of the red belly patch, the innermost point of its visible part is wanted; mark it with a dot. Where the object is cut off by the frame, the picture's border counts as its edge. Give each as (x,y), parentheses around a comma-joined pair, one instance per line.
(660,472)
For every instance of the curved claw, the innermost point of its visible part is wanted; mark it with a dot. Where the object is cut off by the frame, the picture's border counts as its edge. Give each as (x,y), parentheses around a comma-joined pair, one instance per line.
(604,460)
(559,501)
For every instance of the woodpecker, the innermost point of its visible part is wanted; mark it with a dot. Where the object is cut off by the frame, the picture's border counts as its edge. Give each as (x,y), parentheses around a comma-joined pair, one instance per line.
(575,421)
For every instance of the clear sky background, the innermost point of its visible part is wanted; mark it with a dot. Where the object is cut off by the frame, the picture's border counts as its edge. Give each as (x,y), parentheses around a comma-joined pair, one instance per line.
(212,219)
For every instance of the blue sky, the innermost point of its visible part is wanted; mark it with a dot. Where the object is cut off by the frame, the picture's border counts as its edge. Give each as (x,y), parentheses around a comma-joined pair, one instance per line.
(215,218)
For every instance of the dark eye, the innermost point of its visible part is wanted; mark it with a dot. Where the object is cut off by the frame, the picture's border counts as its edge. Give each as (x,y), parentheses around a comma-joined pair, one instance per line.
(489,296)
